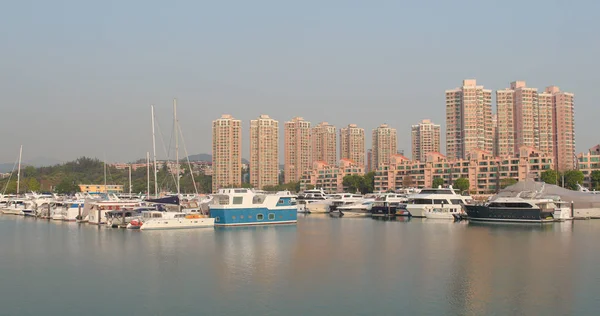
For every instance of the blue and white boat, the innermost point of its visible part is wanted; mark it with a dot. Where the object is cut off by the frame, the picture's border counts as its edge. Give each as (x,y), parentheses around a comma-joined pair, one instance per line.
(237,207)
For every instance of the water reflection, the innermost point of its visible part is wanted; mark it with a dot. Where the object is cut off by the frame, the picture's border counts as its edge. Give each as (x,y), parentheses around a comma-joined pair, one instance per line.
(322,265)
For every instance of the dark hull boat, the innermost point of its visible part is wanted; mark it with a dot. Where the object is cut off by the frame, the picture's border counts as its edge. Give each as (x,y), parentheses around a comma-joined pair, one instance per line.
(495,213)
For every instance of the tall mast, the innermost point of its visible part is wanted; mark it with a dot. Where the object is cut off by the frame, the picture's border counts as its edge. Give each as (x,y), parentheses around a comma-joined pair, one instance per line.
(19,171)
(176,131)
(154,152)
(148,174)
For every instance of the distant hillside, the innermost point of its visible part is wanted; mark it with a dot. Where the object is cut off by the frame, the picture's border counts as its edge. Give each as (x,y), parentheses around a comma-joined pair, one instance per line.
(36,162)
(208,157)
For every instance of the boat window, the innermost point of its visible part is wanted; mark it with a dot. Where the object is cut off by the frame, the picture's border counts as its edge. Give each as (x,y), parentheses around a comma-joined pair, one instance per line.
(271,216)
(221,200)
(258,199)
(240,191)
(238,200)
(259,217)
(156,215)
(179,215)
(421,201)
(456,201)
(217,219)
(440,202)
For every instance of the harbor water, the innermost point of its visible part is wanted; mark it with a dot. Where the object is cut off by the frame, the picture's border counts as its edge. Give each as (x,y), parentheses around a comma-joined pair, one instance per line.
(321,266)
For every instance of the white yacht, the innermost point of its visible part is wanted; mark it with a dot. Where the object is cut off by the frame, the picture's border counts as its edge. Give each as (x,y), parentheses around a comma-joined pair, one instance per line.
(343,199)
(439,199)
(155,220)
(313,201)
(360,208)
(388,204)
(16,206)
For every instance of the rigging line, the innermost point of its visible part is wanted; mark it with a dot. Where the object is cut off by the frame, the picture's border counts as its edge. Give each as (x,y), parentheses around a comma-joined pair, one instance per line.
(10,177)
(187,157)
(165,149)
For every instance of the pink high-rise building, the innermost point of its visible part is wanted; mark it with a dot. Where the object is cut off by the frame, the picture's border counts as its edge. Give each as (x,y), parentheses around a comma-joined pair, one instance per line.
(545,124)
(324,143)
(563,117)
(505,129)
(264,152)
(352,144)
(385,144)
(425,139)
(226,152)
(297,155)
(468,120)
(525,114)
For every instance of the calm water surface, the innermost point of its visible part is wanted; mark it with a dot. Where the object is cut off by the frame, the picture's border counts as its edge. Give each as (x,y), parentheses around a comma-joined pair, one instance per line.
(322,266)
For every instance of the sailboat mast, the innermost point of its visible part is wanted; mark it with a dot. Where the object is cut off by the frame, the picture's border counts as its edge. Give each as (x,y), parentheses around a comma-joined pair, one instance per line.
(19,171)
(175,130)
(148,173)
(154,152)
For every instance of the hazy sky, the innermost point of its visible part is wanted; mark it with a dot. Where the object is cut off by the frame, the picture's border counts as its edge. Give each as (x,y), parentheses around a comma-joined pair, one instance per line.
(78,78)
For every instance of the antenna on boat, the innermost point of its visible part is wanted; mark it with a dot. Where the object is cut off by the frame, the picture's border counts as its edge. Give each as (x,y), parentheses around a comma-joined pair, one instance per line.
(176,143)
(154,152)
(148,174)
(19,171)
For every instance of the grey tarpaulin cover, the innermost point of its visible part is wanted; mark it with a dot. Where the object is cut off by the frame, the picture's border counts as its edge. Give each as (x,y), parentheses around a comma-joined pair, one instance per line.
(582,200)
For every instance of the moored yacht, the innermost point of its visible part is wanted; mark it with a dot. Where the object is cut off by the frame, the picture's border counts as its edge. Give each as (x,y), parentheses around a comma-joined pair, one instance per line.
(313,201)
(360,208)
(342,199)
(429,199)
(155,220)
(388,204)
(235,207)
(522,208)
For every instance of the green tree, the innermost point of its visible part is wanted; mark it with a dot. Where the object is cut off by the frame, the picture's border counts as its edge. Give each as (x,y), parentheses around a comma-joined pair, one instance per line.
(33,185)
(462,184)
(572,178)
(67,186)
(310,187)
(506,182)
(595,177)
(354,183)
(437,182)
(550,176)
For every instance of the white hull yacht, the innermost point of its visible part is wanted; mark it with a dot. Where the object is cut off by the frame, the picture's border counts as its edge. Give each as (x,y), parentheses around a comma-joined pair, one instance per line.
(439,203)
(156,220)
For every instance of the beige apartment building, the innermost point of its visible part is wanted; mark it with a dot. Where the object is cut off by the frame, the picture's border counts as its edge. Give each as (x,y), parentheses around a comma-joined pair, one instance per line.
(525,114)
(588,162)
(352,144)
(297,150)
(468,119)
(324,143)
(505,129)
(385,144)
(264,154)
(545,124)
(483,170)
(425,139)
(330,178)
(563,117)
(226,152)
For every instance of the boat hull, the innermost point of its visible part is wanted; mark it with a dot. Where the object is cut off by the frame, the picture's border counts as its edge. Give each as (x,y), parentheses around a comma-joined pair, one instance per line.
(518,215)
(384,210)
(253,216)
(178,223)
